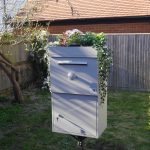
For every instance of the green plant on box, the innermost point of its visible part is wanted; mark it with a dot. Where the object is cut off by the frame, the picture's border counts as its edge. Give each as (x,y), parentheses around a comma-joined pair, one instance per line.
(104,56)
(74,39)
(88,39)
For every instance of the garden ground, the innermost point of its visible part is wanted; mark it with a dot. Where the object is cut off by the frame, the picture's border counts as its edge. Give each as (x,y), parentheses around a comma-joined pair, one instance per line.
(28,126)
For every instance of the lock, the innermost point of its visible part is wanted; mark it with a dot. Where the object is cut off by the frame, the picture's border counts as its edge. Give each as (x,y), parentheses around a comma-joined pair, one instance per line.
(72,75)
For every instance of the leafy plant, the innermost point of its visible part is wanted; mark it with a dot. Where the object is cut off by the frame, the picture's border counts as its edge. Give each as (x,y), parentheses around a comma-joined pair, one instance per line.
(88,39)
(38,55)
(7,37)
(71,37)
(104,57)
(74,39)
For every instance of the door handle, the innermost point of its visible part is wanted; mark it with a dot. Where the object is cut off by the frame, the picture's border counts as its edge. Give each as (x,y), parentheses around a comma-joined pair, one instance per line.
(72,75)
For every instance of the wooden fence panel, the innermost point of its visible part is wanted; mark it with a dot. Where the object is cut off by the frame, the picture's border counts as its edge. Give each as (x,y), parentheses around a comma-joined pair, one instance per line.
(19,57)
(130,69)
(131,61)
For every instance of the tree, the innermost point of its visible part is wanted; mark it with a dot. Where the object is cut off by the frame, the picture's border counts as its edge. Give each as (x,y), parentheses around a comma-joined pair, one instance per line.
(8,26)
(16,14)
(12,73)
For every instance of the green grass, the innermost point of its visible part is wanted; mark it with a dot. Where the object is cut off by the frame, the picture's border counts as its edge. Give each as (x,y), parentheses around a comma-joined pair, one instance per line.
(129,120)
(28,126)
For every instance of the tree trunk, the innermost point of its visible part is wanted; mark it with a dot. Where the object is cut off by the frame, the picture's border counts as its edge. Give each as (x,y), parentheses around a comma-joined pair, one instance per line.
(16,88)
(12,75)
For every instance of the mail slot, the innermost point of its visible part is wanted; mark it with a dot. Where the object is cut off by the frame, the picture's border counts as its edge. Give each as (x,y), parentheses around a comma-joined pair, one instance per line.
(72,62)
(76,103)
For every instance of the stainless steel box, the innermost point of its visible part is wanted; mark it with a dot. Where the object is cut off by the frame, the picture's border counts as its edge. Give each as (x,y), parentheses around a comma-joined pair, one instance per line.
(76,103)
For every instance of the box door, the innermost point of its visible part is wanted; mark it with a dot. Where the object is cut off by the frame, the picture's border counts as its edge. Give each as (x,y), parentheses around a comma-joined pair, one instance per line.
(74,76)
(75,114)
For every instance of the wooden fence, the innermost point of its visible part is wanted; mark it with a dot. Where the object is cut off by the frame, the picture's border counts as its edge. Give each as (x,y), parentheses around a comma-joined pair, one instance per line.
(18,56)
(131,61)
(130,69)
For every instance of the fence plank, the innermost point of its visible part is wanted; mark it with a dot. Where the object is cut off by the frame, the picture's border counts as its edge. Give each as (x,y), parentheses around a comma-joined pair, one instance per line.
(131,61)
(19,57)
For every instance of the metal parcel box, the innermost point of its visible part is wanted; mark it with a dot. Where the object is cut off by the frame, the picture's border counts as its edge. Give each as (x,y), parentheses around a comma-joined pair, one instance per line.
(76,104)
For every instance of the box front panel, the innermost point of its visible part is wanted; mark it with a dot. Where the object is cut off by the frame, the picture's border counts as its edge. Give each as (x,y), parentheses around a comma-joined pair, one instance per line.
(75,114)
(74,75)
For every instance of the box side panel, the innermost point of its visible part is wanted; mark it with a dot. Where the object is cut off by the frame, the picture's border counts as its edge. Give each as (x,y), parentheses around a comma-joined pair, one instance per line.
(102,116)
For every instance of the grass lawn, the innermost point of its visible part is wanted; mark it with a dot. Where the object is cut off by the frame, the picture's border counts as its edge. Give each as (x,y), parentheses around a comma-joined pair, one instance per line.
(28,126)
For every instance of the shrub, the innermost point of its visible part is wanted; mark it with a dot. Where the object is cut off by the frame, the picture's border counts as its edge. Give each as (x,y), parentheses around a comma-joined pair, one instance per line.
(7,38)
(38,55)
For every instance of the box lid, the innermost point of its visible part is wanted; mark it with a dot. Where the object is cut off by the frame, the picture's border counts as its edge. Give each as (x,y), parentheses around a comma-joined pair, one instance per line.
(80,51)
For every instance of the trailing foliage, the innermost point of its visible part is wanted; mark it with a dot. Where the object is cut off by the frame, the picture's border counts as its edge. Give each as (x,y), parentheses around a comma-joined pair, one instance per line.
(38,55)
(104,61)
(98,41)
